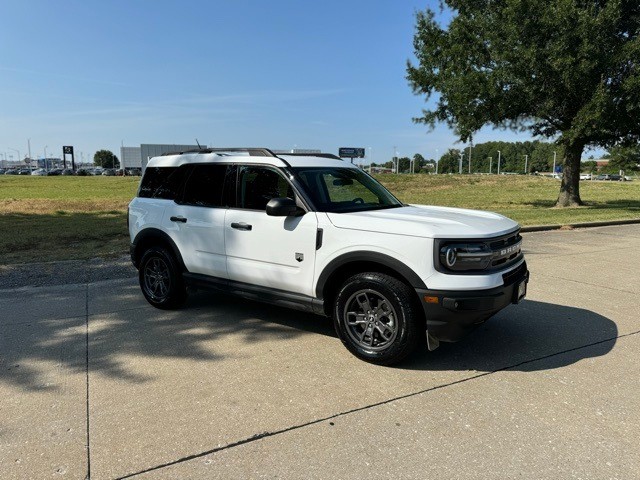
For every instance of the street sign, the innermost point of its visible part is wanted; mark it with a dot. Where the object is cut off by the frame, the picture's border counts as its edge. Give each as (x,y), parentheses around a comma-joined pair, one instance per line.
(350,152)
(67,150)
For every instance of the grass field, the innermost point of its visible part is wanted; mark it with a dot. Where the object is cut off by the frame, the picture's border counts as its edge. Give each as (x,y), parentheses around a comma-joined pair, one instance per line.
(54,218)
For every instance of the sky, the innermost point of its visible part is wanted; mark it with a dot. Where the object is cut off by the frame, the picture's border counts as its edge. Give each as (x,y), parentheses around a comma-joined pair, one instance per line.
(279,74)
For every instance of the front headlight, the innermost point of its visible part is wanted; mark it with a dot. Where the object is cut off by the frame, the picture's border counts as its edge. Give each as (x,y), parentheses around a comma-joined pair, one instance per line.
(465,256)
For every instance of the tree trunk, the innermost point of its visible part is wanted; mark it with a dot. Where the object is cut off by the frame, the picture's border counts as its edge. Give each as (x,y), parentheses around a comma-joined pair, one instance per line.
(570,185)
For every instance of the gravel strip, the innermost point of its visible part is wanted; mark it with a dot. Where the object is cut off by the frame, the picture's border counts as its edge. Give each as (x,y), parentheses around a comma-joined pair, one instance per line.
(65,272)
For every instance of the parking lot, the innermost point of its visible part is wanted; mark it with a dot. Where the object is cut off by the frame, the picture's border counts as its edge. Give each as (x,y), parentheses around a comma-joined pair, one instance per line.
(96,383)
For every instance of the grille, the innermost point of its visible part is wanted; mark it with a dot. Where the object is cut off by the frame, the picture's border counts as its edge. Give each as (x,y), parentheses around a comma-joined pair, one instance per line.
(514,274)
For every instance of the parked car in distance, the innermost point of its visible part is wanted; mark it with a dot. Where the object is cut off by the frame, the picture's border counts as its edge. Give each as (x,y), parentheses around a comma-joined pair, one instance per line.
(585,176)
(41,172)
(108,172)
(610,177)
(55,172)
(67,171)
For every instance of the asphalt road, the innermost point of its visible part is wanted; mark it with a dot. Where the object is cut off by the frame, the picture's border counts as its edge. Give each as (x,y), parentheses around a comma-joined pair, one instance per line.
(96,383)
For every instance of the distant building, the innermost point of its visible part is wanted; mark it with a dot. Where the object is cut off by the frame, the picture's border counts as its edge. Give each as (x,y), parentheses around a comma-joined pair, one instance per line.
(297,150)
(137,157)
(130,157)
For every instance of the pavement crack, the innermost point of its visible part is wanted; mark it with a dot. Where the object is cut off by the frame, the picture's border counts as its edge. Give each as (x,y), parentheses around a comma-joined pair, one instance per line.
(88,439)
(263,435)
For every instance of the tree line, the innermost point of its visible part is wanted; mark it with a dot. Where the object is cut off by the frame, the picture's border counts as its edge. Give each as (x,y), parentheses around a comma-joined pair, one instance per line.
(515,157)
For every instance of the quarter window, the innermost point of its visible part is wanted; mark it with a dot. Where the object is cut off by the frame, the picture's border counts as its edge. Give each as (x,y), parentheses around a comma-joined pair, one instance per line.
(161,182)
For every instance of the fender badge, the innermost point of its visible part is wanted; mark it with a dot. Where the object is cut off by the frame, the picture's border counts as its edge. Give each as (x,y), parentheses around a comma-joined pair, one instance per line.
(299,256)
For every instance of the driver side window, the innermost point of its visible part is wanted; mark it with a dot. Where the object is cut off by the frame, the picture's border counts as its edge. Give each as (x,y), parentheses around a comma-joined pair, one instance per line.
(258,185)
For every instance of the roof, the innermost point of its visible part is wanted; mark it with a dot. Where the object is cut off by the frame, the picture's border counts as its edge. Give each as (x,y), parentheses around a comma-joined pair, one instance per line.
(257,156)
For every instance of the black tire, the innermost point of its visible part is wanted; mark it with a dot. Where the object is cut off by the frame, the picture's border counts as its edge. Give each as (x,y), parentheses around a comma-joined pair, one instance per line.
(376,317)
(161,279)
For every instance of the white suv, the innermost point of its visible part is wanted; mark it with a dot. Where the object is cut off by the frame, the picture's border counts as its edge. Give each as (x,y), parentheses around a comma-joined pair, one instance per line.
(315,233)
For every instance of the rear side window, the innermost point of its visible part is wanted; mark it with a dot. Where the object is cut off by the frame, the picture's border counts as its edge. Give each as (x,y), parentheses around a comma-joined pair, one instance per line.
(204,187)
(161,182)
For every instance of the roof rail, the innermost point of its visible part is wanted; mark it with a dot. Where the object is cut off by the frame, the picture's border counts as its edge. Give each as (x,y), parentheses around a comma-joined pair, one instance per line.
(253,152)
(323,155)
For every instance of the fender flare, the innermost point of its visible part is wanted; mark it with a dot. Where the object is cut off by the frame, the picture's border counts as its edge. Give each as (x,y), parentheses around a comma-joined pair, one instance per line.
(364,256)
(158,235)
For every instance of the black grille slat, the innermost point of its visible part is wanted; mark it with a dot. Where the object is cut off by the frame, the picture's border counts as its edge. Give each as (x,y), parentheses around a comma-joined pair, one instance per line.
(498,244)
(511,276)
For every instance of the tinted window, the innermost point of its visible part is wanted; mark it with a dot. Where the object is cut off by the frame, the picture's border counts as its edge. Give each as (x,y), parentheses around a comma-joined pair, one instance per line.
(204,187)
(161,182)
(258,185)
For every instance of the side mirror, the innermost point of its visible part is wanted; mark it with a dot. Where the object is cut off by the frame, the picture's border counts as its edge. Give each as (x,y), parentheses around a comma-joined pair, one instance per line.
(283,207)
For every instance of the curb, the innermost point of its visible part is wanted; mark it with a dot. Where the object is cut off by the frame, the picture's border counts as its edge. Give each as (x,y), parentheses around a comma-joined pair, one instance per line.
(570,226)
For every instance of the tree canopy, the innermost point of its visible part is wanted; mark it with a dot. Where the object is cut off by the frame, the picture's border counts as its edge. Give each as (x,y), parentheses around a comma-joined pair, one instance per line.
(105,159)
(563,69)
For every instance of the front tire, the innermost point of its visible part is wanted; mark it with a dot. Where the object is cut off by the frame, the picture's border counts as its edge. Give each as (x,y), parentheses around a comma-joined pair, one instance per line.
(377,319)
(161,279)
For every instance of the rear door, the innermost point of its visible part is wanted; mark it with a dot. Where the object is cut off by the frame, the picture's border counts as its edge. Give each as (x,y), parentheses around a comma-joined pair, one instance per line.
(274,252)
(198,218)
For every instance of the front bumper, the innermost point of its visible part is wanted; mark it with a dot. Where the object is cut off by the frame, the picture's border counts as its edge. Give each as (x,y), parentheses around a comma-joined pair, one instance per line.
(450,315)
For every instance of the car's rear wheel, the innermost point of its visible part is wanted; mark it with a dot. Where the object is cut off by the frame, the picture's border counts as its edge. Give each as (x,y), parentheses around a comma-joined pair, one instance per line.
(161,280)
(376,317)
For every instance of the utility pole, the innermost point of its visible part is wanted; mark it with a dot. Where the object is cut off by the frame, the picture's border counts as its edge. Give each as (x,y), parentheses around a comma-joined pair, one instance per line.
(526,162)
(499,153)
(490,164)
(469,157)
(394,160)
(461,157)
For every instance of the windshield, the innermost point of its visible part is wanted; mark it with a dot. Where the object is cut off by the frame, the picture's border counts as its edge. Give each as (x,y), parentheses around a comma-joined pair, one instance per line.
(344,190)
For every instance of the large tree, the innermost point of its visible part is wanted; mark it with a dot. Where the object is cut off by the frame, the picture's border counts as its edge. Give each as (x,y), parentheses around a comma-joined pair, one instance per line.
(566,69)
(105,159)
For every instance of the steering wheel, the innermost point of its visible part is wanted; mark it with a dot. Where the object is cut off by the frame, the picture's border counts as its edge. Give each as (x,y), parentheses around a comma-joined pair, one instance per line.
(357,200)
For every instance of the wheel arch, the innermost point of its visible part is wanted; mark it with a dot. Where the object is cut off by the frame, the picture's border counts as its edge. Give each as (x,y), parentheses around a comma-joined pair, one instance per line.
(348,264)
(153,237)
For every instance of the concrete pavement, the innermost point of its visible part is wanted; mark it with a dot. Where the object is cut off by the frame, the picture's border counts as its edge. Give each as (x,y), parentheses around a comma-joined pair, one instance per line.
(96,382)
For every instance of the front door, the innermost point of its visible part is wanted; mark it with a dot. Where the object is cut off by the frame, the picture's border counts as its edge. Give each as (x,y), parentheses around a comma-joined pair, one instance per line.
(274,252)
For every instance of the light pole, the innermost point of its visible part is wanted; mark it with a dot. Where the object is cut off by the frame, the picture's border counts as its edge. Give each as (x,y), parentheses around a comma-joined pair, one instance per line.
(17,151)
(461,157)
(490,164)
(46,164)
(499,153)
(526,163)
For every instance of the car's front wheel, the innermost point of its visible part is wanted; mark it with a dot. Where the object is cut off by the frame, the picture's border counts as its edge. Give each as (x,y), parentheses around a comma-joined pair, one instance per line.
(376,317)
(161,280)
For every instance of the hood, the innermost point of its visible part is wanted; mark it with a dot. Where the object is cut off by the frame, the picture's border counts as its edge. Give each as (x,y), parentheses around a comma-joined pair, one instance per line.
(427,221)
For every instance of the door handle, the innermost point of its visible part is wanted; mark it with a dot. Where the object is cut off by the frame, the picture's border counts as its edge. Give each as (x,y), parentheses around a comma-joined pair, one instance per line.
(178,219)
(241,226)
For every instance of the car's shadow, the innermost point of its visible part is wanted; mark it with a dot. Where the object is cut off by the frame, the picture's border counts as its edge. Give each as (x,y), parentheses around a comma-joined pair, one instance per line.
(517,337)
(530,336)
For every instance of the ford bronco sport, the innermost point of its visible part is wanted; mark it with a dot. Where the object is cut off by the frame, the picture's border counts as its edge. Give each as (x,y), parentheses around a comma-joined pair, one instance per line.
(315,233)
